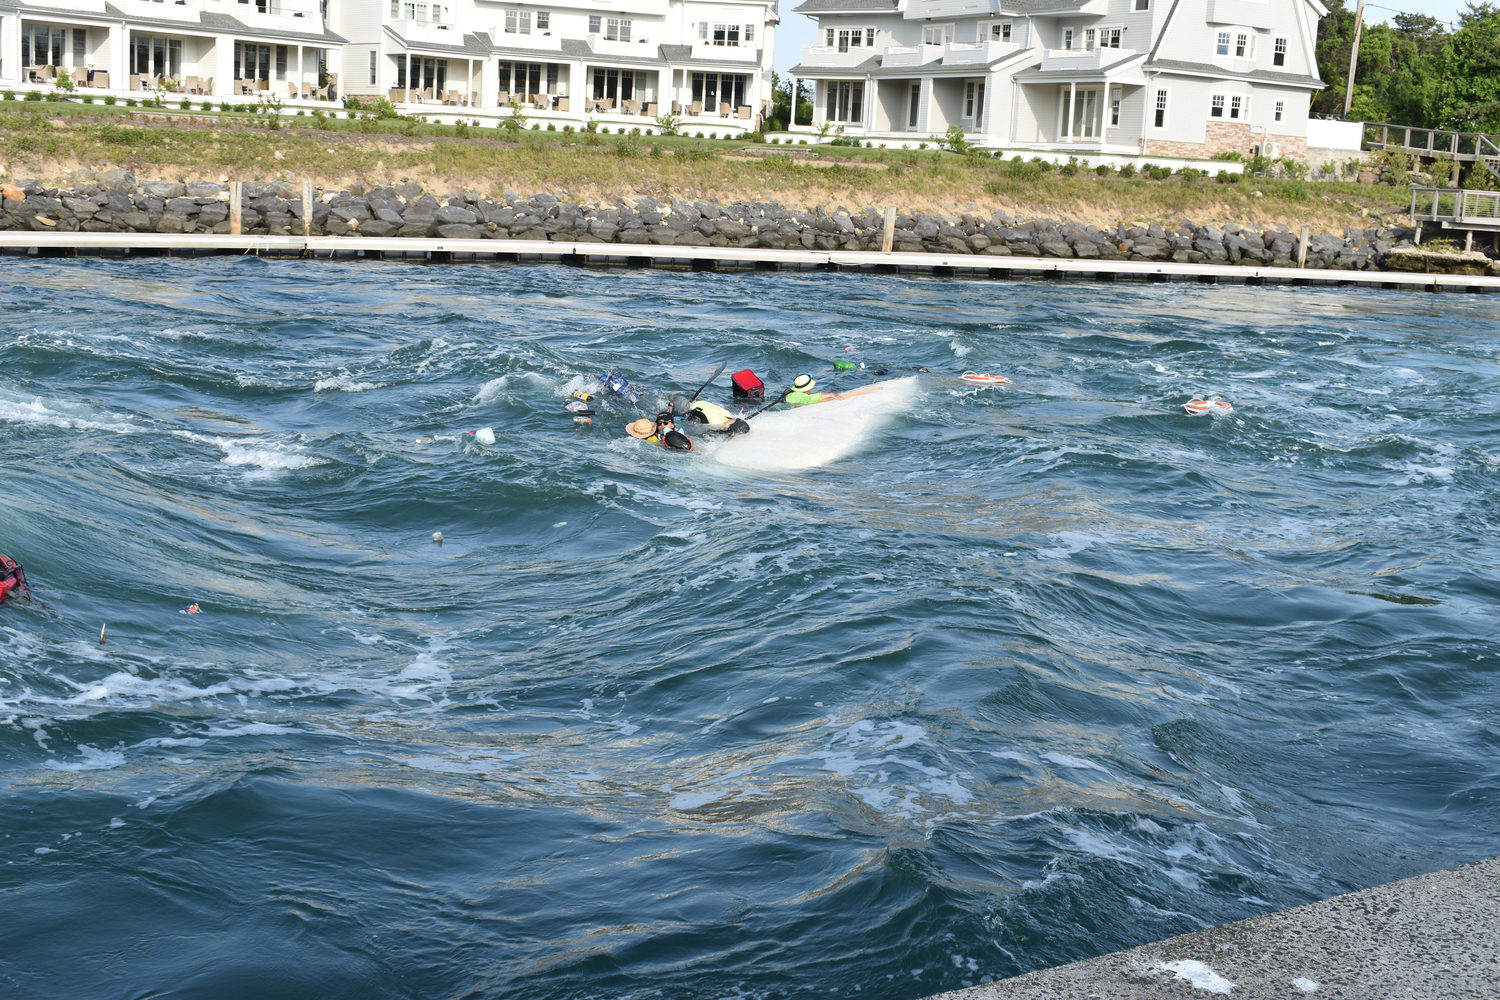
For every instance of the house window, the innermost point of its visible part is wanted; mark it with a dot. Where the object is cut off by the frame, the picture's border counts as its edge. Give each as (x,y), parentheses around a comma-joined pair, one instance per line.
(372,69)
(1223,47)
(617,29)
(80,46)
(750,34)
(1234,106)
(1142,4)
(1242,46)
(1161,109)
(869,38)
(915,103)
(1068,39)
(395,10)
(1088,39)
(518,22)
(969,99)
(1110,39)
(1279,58)
(1217,110)
(845,101)
(1280,107)
(1000,32)
(1114,105)
(543,20)
(594,24)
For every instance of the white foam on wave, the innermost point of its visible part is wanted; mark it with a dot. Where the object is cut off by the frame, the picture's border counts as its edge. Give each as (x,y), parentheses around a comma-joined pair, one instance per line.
(496,387)
(343,383)
(94,759)
(811,436)
(37,413)
(267,455)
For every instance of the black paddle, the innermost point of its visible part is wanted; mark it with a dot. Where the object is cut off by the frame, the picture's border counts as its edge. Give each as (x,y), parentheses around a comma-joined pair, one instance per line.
(772,403)
(705,384)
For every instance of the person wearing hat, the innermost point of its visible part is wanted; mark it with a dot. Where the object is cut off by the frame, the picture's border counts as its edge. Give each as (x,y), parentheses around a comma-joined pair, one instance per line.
(663,431)
(801,392)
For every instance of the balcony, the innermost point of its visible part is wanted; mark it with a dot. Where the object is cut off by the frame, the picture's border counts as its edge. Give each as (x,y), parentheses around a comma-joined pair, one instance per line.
(636,48)
(536,40)
(427,33)
(976,53)
(829,56)
(747,53)
(1082,60)
(896,56)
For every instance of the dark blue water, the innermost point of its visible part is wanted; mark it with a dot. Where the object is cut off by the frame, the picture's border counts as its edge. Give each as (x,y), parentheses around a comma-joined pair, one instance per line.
(1034,673)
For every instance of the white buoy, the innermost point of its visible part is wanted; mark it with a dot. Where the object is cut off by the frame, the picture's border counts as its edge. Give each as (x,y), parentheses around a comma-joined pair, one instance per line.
(485,435)
(437,536)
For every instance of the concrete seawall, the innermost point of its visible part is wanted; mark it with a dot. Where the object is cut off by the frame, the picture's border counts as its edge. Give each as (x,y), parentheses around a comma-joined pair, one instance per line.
(1433,936)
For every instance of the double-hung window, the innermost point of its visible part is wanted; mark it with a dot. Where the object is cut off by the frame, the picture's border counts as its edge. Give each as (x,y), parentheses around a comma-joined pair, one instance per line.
(1223,46)
(1142,4)
(543,20)
(1068,38)
(372,68)
(1278,58)
(1235,105)
(1244,47)
(518,22)
(617,29)
(1114,105)
(1109,38)
(1161,109)
(1000,32)
(595,23)
(728,35)
(1217,108)
(1088,39)
(1280,107)
(749,33)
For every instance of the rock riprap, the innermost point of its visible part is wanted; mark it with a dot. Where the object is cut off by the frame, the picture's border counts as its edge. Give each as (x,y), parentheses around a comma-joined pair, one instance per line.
(117,202)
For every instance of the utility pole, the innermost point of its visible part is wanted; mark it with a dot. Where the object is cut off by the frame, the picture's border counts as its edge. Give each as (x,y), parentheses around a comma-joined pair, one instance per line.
(1359,23)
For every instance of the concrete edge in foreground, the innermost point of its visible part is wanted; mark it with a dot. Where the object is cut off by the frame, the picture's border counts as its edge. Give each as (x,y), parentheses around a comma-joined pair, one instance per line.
(710,258)
(1432,937)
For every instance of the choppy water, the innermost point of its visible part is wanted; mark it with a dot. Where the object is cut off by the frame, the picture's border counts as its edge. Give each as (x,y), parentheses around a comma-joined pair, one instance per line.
(1036,673)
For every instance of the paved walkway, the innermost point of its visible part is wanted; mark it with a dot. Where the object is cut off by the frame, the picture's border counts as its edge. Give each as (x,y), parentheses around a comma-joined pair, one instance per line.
(1433,936)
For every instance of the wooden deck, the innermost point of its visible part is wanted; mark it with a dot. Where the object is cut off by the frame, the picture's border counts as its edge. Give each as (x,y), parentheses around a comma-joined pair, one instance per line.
(136,245)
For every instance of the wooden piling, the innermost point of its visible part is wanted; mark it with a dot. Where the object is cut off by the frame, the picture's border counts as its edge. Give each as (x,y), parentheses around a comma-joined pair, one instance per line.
(236,210)
(888,236)
(1302,247)
(307,207)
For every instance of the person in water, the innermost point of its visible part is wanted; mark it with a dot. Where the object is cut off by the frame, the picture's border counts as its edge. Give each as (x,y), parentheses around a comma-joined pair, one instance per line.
(663,431)
(714,419)
(801,393)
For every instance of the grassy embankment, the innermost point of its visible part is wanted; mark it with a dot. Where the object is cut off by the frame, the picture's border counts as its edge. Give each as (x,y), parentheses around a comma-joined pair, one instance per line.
(47,140)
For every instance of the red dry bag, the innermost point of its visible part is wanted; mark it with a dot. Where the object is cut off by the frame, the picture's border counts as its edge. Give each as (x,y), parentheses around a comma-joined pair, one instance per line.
(747,386)
(12,577)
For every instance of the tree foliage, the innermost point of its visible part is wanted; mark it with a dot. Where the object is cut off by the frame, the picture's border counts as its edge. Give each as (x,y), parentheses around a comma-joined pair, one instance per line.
(1414,71)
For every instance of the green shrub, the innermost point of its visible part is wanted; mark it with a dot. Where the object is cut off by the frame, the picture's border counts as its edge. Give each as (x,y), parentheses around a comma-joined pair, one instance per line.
(1103,169)
(206,106)
(461,129)
(110,100)
(36,95)
(1127,171)
(185,105)
(1232,155)
(1227,177)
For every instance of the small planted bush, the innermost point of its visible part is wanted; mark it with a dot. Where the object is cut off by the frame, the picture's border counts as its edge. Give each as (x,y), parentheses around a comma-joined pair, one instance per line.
(110,100)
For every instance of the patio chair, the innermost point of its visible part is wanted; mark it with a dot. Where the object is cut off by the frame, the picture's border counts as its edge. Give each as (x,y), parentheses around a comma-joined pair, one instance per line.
(676,108)
(397,96)
(697,109)
(562,104)
(632,108)
(503,99)
(191,84)
(745,112)
(99,79)
(451,99)
(723,109)
(652,110)
(427,95)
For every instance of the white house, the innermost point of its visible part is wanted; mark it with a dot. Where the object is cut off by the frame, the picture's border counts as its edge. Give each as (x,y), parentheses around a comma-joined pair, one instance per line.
(625,61)
(205,47)
(634,59)
(1169,78)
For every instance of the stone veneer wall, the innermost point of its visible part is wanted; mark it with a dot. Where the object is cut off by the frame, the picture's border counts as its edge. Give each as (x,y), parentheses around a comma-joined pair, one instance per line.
(1224,137)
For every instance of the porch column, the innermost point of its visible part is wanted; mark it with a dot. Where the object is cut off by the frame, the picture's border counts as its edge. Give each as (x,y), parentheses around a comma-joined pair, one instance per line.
(924,105)
(1072,105)
(469,83)
(486,96)
(301,77)
(793,118)
(10,47)
(869,108)
(119,57)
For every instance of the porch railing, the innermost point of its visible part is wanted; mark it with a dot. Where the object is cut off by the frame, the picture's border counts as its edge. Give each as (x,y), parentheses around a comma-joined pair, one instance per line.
(1455,205)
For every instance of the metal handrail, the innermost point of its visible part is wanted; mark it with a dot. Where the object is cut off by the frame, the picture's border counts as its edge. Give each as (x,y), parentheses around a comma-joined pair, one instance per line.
(1455,204)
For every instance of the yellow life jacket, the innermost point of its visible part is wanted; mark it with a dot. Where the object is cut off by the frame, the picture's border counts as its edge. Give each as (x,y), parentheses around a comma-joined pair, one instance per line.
(711,414)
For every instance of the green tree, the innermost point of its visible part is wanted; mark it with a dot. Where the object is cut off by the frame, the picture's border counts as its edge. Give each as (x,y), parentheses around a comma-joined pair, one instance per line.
(1467,90)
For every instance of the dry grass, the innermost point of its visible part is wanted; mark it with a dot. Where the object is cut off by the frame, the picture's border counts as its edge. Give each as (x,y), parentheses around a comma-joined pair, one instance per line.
(49,140)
